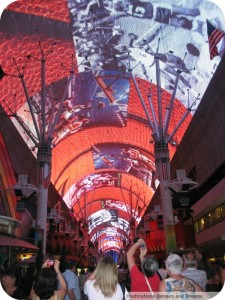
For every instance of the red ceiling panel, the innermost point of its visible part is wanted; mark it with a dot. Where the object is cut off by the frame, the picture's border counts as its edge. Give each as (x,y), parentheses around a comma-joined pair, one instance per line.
(141,196)
(53,9)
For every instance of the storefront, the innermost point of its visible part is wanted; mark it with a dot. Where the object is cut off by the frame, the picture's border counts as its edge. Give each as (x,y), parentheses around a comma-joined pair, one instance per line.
(12,247)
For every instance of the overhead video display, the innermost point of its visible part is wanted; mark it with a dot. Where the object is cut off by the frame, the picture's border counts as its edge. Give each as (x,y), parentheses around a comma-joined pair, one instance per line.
(125,35)
(89,183)
(90,101)
(102,216)
(106,232)
(112,203)
(106,218)
(125,158)
(93,101)
(110,243)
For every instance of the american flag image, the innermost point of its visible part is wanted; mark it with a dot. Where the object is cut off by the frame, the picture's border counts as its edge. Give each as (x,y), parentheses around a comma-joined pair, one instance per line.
(41,171)
(154,177)
(44,180)
(164,168)
(214,37)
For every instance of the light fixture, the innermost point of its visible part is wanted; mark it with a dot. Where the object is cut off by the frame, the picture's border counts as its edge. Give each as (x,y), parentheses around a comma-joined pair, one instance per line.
(25,190)
(182,184)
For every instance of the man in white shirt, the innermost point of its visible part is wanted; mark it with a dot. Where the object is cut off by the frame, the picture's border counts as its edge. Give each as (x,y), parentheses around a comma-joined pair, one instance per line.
(191,271)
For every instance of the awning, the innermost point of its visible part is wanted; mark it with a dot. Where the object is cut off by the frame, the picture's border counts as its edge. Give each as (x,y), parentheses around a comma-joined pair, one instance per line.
(15,242)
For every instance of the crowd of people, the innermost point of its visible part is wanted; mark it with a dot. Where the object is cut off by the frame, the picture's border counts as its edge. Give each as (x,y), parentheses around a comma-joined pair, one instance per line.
(180,275)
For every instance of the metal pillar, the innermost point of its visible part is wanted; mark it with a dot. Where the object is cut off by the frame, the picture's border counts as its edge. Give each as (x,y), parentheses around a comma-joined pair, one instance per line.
(42,139)
(161,137)
(162,163)
(44,168)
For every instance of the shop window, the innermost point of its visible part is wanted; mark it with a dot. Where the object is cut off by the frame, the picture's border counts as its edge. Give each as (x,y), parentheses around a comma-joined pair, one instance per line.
(210,219)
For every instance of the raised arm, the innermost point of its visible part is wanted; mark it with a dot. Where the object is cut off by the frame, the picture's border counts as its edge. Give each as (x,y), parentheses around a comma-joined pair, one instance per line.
(131,252)
(62,282)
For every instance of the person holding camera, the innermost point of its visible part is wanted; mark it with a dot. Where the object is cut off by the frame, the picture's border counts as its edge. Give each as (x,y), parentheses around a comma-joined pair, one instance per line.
(47,282)
(148,280)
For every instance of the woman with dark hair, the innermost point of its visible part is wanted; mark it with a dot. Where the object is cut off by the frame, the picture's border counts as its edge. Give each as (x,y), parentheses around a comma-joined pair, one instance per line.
(47,282)
(103,282)
(202,262)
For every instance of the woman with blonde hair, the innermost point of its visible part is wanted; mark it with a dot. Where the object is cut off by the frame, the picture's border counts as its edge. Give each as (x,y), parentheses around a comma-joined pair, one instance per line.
(103,282)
